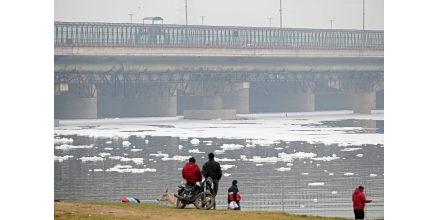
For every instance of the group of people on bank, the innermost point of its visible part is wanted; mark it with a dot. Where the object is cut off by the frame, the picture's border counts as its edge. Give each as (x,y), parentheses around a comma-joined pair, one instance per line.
(191,173)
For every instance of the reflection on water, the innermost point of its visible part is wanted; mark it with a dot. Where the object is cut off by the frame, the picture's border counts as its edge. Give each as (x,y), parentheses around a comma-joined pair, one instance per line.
(317,187)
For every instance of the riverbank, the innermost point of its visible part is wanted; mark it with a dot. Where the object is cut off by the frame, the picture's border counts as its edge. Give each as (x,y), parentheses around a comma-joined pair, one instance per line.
(132,211)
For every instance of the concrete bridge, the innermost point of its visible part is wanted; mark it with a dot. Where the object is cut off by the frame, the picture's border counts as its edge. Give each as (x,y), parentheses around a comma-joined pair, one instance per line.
(140,70)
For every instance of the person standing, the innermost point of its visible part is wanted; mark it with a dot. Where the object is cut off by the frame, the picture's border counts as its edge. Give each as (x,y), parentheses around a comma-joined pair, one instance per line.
(359,201)
(191,172)
(212,169)
(234,194)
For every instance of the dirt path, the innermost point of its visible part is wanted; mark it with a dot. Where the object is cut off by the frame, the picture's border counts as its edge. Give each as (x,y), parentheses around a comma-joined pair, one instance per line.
(96,209)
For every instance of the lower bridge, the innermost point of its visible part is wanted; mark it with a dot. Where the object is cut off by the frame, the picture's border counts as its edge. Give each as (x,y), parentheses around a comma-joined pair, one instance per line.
(210,87)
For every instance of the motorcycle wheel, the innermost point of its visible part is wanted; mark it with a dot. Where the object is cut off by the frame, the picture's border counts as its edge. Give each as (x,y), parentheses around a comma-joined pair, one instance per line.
(181,204)
(204,202)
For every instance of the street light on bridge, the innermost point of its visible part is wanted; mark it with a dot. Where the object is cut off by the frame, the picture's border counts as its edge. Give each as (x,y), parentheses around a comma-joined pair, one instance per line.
(281,16)
(270,22)
(331,24)
(131,15)
(202,18)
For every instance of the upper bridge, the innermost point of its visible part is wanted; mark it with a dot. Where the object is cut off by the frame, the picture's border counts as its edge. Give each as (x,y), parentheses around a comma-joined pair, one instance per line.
(121,39)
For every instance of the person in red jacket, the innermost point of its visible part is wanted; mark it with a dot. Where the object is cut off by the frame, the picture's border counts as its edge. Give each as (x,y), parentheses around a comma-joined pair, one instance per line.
(191,172)
(359,201)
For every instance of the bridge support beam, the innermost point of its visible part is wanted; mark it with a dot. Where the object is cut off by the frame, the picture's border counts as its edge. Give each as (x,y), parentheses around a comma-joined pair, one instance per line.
(161,106)
(68,105)
(363,103)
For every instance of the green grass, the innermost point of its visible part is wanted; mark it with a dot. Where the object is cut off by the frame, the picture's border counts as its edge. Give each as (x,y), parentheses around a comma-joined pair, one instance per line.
(131,211)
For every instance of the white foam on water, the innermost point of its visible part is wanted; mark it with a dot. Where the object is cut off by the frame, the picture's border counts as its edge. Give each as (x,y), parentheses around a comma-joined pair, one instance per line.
(273,125)
(126,143)
(224,159)
(195,141)
(67,147)
(62,158)
(333,157)
(282,169)
(316,184)
(351,149)
(231,146)
(104,154)
(195,151)
(227,166)
(63,141)
(94,158)
(177,157)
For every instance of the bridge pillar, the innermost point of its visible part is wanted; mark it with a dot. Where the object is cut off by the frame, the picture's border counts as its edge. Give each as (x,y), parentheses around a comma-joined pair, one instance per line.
(238,99)
(213,102)
(58,89)
(363,103)
(212,109)
(162,106)
(300,102)
(68,105)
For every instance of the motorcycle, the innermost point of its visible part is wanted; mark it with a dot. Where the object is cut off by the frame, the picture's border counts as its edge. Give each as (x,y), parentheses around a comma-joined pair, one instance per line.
(199,194)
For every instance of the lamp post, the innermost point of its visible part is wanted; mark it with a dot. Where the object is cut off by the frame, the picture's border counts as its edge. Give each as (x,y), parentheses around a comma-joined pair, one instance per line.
(363,23)
(281,16)
(186,12)
(131,15)
(363,15)
(202,18)
(270,22)
(331,24)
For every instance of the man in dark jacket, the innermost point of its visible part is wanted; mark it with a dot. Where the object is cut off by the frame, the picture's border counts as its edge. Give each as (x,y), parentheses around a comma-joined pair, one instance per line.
(191,172)
(234,194)
(212,169)
(359,201)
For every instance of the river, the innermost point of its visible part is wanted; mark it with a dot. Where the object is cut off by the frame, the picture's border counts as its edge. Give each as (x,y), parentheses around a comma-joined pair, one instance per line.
(302,163)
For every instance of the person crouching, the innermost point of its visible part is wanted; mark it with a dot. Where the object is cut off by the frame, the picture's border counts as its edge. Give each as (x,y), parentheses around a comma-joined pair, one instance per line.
(234,196)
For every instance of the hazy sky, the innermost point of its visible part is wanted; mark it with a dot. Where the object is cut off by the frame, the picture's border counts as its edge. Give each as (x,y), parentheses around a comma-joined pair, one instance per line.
(346,14)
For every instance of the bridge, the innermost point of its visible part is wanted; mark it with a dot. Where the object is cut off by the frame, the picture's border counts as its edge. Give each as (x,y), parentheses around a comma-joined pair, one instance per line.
(141,70)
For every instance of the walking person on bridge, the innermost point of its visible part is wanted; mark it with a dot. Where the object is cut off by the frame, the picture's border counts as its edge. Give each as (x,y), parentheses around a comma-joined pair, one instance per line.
(359,201)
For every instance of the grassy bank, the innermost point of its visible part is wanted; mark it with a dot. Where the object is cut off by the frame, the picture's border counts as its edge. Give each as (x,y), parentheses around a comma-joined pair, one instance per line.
(131,211)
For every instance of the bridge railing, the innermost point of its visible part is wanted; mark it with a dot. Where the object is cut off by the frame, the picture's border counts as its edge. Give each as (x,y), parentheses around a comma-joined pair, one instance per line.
(121,34)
